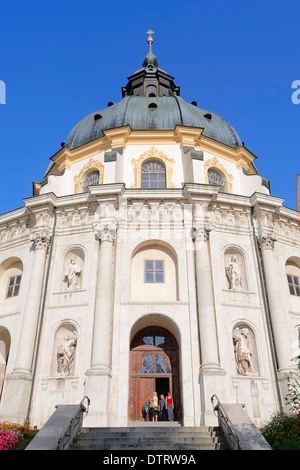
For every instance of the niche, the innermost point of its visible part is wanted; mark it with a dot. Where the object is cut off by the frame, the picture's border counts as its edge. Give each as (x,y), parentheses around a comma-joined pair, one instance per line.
(64,351)
(245,352)
(235,270)
(73,267)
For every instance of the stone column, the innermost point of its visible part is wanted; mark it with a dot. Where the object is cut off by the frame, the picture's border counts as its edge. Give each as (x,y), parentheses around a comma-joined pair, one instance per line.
(24,358)
(205,299)
(210,373)
(98,376)
(282,340)
(15,400)
(101,352)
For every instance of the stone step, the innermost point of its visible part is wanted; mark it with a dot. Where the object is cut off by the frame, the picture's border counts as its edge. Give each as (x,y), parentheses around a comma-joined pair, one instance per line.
(149,446)
(150,438)
(161,431)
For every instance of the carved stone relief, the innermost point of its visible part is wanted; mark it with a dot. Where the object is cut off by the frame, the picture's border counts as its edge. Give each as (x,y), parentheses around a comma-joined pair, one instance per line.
(235,270)
(73,270)
(64,351)
(245,351)
(72,276)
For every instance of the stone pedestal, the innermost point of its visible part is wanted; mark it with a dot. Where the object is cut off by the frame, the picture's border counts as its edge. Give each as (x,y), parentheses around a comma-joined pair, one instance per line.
(211,383)
(98,389)
(15,397)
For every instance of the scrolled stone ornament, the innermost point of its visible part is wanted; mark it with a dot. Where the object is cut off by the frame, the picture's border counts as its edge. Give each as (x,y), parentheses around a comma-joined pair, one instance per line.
(41,240)
(267,240)
(200,233)
(105,231)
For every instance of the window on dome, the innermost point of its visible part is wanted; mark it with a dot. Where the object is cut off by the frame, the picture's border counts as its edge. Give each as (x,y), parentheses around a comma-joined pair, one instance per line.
(216,178)
(91,178)
(153,174)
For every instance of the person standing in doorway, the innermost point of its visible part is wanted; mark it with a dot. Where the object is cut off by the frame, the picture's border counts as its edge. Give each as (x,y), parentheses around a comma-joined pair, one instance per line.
(155,407)
(170,407)
(146,409)
(162,408)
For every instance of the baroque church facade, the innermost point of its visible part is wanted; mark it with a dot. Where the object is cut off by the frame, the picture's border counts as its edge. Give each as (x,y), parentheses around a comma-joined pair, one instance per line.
(151,257)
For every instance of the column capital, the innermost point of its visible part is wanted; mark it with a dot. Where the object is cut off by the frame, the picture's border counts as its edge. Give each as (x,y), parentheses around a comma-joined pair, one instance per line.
(201,233)
(41,240)
(267,240)
(105,231)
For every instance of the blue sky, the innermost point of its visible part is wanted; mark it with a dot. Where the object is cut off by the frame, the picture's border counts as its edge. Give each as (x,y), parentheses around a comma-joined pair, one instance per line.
(62,60)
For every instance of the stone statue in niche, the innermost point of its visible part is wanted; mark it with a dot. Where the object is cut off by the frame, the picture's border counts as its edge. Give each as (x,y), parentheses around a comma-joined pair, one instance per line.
(65,355)
(72,276)
(233,274)
(242,352)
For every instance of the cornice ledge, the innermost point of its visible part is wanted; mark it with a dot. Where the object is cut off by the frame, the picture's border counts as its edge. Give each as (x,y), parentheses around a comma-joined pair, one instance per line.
(188,136)
(196,190)
(106,190)
(265,201)
(117,136)
(289,213)
(36,203)
(14,214)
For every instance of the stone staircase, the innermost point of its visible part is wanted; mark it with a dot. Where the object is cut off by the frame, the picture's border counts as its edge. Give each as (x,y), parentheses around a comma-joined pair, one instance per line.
(158,436)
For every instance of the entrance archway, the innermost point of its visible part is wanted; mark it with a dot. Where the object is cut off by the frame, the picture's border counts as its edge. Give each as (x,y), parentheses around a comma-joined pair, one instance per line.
(154,366)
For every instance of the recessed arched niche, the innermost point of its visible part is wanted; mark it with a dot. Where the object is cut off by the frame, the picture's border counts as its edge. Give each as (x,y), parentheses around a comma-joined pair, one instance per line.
(64,351)
(235,269)
(154,273)
(73,269)
(245,350)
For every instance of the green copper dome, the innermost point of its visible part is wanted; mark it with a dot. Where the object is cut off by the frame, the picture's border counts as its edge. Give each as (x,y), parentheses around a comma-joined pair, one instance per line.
(151,101)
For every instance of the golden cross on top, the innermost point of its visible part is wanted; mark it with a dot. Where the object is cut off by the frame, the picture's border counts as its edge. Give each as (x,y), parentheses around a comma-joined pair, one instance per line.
(150,38)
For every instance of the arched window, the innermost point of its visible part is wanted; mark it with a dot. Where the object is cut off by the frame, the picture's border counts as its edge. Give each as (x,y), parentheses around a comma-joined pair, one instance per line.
(153,174)
(89,179)
(11,277)
(151,90)
(216,178)
(292,270)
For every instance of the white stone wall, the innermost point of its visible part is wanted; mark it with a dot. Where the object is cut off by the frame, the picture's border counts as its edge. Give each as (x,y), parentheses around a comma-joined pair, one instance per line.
(166,219)
(184,169)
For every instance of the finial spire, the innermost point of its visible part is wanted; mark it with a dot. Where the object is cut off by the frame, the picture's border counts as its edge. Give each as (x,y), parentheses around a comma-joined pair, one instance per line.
(150,38)
(150,60)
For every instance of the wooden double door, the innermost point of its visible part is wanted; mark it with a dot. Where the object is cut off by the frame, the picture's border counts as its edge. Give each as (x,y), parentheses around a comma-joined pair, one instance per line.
(154,367)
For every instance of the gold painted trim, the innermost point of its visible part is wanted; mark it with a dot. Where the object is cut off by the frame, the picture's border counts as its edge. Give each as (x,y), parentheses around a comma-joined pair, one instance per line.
(181,135)
(149,154)
(92,163)
(36,188)
(214,163)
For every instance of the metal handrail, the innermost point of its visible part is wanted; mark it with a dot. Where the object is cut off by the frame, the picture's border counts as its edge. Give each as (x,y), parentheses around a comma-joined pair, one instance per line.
(71,429)
(225,424)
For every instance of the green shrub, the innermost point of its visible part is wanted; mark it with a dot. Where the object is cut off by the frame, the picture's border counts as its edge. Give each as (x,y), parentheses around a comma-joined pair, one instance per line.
(283,432)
